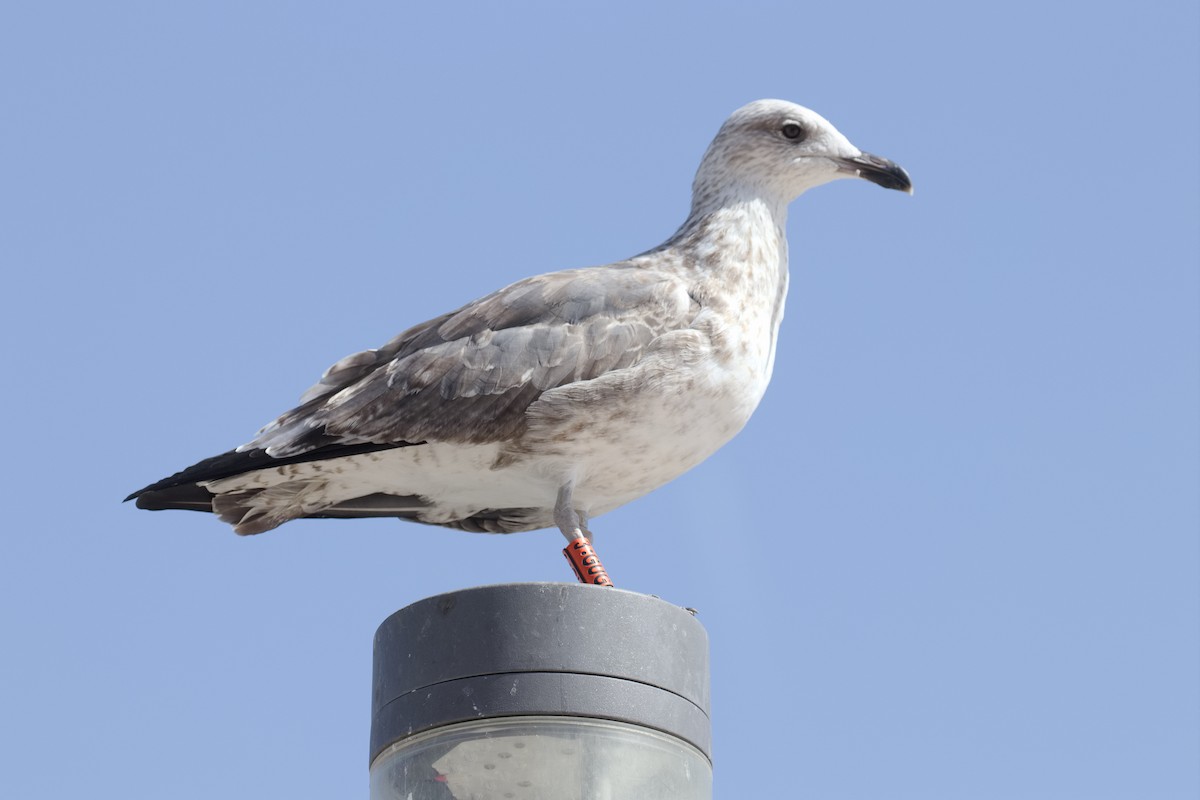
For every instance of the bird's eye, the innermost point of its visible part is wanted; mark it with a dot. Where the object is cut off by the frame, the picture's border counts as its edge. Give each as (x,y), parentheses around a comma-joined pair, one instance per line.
(791,130)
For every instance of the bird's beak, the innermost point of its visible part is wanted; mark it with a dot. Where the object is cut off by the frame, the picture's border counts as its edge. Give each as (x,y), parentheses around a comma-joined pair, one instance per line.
(878,170)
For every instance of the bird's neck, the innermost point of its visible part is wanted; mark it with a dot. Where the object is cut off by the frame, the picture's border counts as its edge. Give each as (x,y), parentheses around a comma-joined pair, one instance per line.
(746,235)
(732,198)
(736,258)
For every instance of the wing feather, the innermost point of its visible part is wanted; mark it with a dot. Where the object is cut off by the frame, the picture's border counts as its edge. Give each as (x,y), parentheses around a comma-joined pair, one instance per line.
(469,376)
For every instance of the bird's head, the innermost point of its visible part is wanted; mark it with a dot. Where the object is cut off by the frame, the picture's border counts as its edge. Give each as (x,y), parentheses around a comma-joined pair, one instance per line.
(778,150)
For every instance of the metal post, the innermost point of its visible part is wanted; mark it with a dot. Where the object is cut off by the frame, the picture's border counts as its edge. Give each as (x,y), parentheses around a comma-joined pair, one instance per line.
(541,691)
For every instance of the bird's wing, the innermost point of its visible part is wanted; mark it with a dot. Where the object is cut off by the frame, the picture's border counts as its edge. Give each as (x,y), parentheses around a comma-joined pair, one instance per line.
(468,376)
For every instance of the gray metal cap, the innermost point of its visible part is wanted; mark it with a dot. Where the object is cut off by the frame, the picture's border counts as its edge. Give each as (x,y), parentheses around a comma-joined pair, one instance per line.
(525,649)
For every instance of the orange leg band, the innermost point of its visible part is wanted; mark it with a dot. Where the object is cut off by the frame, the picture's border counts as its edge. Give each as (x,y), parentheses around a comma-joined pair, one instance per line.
(586,563)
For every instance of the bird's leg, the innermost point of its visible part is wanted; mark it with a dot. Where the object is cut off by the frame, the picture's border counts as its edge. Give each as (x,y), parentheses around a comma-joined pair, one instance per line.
(579,551)
(566,518)
(583,525)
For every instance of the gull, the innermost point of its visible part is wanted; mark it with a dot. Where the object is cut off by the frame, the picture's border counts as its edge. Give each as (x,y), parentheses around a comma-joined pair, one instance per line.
(562,396)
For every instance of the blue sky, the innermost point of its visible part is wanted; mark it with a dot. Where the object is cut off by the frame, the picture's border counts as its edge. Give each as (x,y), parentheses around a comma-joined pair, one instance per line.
(954,554)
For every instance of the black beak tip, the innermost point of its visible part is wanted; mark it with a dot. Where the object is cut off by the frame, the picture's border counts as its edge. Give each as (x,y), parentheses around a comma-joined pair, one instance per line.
(881,172)
(896,178)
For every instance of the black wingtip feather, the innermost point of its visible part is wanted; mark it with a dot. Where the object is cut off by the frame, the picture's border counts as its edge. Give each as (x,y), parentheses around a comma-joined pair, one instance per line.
(189,497)
(181,491)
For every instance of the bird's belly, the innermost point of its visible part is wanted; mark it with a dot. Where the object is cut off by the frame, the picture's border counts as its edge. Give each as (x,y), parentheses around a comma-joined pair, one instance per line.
(627,463)
(619,446)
